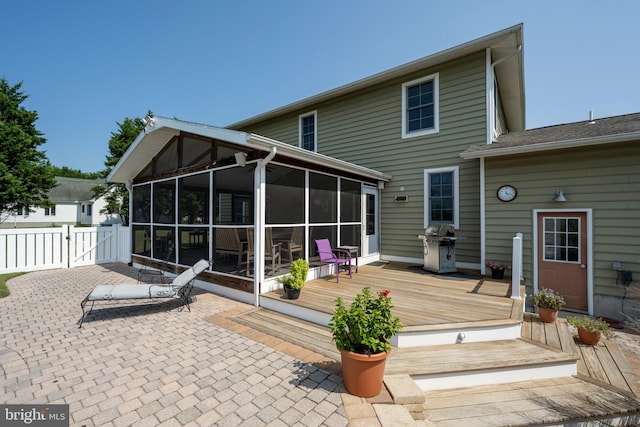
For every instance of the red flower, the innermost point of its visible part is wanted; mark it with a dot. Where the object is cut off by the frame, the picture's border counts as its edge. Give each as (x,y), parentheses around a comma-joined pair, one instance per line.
(385,293)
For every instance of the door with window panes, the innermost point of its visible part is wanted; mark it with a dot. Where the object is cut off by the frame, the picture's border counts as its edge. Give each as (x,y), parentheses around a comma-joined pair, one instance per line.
(562,256)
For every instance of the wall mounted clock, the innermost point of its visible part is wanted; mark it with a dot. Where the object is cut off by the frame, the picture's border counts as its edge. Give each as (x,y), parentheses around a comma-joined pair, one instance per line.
(507,193)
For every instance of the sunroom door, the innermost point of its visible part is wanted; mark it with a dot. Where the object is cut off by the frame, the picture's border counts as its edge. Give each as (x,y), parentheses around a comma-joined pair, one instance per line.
(371,237)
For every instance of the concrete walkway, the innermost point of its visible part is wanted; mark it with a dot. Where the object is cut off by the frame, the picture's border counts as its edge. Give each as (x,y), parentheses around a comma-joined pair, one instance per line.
(152,365)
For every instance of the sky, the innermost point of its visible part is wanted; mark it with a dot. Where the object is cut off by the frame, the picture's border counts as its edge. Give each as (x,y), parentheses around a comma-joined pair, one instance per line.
(86,65)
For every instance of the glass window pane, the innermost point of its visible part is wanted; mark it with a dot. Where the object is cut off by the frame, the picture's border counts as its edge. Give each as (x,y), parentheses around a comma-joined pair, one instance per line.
(549,238)
(573,225)
(549,224)
(573,255)
(561,224)
(549,253)
(572,240)
(284,195)
(323,197)
(164,202)
(142,203)
(194,199)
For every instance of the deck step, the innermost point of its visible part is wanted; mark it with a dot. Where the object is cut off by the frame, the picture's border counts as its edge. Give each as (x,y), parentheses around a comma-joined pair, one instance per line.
(540,402)
(306,334)
(480,363)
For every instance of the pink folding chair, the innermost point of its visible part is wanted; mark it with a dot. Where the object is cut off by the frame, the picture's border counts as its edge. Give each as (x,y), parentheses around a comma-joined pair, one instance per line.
(337,257)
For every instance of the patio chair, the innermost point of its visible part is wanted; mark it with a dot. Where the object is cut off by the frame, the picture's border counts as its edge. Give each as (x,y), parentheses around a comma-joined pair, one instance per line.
(272,251)
(228,243)
(180,288)
(337,257)
(151,272)
(295,244)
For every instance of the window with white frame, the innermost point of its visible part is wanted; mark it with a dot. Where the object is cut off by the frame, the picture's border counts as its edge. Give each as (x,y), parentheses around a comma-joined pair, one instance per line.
(441,196)
(420,107)
(307,134)
(50,211)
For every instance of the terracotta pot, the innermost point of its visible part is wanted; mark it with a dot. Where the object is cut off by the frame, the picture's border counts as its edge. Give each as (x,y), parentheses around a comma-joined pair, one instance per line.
(363,374)
(588,337)
(497,273)
(547,315)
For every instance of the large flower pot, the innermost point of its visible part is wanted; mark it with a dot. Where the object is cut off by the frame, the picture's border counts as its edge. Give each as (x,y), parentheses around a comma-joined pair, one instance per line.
(588,337)
(363,374)
(547,315)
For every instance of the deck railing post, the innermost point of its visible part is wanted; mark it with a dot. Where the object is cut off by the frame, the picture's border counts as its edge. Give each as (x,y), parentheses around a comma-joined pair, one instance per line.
(516,266)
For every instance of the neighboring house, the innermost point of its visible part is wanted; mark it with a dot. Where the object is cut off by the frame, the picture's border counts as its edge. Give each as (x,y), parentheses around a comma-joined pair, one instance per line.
(371,164)
(74,205)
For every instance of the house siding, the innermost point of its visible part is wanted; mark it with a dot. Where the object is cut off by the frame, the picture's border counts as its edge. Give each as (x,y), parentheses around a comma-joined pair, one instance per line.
(365,128)
(605,179)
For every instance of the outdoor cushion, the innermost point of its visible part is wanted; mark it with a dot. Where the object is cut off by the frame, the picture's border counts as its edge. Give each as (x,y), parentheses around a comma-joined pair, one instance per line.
(127,291)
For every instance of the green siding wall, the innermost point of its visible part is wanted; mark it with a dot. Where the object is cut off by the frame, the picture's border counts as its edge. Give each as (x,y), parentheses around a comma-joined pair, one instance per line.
(605,179)
(365,129)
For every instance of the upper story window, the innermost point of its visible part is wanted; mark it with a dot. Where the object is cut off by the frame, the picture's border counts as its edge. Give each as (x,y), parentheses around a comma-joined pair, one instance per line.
(308,136)
(420,109)
(441,196)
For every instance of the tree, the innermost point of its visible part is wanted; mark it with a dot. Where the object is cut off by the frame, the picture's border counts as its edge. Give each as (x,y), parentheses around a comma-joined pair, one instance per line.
(117,195)
(26,175)
(67,172)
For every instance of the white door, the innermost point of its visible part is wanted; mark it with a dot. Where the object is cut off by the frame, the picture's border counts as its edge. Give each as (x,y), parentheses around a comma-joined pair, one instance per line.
(370,226)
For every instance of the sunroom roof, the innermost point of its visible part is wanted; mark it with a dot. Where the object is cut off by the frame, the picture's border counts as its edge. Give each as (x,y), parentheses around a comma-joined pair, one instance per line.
(159,131)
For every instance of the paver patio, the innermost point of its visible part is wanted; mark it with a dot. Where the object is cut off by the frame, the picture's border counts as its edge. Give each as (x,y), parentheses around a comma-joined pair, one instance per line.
(152,365)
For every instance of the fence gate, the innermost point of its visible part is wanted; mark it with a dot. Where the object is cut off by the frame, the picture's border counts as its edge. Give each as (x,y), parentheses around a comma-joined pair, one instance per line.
(31,249)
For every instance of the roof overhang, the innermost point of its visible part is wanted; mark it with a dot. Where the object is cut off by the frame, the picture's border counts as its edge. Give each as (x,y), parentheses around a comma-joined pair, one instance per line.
(495,150)
(160,130)
(503,44)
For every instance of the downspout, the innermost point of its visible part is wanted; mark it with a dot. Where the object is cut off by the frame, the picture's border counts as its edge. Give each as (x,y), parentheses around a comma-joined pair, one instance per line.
(258,235)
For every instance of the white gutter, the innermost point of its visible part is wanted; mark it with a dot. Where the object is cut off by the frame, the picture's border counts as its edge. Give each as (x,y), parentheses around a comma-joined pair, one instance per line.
(259,178)
(547,146)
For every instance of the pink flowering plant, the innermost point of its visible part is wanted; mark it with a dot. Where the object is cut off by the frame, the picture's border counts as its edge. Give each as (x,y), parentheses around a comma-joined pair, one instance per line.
(366,326)
(495,265)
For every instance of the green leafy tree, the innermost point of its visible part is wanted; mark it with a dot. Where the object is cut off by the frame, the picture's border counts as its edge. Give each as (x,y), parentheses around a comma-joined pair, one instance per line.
(67,172)
(25,172)
(116,195)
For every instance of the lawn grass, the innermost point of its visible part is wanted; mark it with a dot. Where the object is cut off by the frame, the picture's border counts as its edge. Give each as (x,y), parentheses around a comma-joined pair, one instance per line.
(4,291)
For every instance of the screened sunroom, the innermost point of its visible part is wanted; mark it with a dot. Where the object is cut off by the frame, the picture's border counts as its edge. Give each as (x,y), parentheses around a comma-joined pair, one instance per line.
(249,204)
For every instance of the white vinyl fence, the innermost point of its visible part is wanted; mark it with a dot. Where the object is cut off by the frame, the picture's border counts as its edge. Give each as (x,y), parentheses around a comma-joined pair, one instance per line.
(30,249)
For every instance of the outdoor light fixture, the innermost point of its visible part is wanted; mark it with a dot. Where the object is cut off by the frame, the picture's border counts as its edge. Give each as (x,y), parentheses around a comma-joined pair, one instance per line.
(241,158)
(148,121)
(559,197)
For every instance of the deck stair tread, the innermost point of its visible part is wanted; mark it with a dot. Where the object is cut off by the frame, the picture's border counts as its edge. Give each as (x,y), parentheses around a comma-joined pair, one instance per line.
(308,335)
(537,402)
(473,356)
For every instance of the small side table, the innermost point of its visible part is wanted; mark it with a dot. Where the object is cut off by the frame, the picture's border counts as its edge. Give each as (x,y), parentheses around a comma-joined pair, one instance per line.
(353,250)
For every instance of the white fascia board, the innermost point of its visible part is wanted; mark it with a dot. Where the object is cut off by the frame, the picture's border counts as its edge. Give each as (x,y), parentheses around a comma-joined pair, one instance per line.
(547,146)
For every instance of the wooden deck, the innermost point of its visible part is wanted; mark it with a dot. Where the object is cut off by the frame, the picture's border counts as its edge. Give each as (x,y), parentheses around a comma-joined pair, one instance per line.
(420,298)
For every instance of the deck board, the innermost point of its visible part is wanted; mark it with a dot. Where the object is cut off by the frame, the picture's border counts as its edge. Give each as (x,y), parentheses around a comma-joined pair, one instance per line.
(419,297)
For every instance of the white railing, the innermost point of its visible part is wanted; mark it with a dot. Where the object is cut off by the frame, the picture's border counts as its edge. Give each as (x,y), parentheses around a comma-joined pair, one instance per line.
(516,266)
(31,249)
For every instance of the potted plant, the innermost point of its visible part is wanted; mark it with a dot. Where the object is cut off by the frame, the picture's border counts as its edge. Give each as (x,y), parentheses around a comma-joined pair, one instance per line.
(294,281)
(361,333)
(497,269)
(548,302)
(590,329)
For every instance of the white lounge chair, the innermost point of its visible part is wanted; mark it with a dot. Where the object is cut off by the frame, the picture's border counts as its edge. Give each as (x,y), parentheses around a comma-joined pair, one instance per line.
(180,288)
